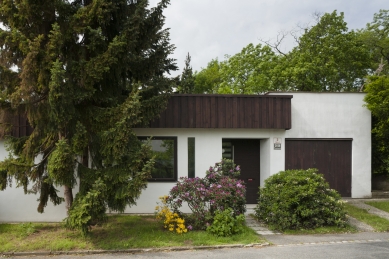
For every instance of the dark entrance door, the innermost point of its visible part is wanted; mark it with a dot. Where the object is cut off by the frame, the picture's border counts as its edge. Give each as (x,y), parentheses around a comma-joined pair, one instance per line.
(332,157)
(245,153)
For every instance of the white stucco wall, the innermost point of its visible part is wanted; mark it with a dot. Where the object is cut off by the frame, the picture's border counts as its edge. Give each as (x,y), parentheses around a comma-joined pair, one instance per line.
(337,115)
(15,206)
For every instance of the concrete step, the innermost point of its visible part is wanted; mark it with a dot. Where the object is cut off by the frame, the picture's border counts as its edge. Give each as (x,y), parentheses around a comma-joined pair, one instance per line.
(380,194)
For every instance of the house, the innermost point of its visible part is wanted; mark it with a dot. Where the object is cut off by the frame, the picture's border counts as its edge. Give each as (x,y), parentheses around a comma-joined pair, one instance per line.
(264,134)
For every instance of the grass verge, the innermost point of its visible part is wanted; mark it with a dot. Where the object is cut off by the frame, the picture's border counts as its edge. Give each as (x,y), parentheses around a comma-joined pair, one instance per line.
(382,205)
(378,223)
(120,232)
(321,230)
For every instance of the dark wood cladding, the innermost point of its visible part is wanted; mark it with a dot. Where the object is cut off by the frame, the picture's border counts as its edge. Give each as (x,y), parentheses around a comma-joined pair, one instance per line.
(226,111)
(332,157)
(20,126)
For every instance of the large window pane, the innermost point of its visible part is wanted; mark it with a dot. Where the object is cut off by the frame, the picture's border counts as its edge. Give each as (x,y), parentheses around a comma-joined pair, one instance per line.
(165,152)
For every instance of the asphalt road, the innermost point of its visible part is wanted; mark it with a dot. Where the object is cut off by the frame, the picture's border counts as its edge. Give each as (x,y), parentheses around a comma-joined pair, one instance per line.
(368,249)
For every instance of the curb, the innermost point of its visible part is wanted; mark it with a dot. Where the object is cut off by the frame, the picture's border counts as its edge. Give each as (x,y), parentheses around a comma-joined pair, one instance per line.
(336,242)
(131,251)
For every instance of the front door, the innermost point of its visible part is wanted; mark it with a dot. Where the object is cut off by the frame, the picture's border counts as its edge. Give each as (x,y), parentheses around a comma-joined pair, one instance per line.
(245,153)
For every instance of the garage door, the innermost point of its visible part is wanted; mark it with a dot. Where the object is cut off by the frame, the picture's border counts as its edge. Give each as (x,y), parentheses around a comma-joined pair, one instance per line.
(332,157)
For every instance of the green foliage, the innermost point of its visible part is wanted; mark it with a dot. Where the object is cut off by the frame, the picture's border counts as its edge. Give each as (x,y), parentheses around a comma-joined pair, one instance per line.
(377,97)
(84,73)
(208,79)
(299,199)
(376,37)
(226,224)
(248,72)
(187,82)
(27,229)
(328,58)
(88,208)
(60,163)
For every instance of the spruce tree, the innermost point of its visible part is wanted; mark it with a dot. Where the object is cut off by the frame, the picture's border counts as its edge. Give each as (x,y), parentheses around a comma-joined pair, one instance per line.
(84,73)
(187,82)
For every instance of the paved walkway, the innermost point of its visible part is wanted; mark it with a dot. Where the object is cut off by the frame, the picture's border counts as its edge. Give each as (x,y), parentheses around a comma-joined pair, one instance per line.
(254,224)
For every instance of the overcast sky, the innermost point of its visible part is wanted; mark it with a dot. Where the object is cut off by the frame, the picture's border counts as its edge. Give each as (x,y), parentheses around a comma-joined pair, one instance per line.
(212,28)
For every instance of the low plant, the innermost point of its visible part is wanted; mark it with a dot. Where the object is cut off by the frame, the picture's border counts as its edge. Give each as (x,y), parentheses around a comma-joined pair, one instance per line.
(299,199)
(171,220)
(226,224)
(27,229)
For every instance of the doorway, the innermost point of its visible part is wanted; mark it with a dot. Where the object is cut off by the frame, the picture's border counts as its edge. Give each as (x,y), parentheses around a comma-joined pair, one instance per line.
(245,153)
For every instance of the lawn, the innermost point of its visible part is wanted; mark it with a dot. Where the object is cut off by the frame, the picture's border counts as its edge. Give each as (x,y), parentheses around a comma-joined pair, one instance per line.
(321,230)
(382,205)
(378,223)
(120,232)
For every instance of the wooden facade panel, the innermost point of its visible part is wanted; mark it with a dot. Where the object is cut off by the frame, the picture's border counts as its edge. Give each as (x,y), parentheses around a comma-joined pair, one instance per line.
(226,111)
(221,112)
(331,157)
(213,112)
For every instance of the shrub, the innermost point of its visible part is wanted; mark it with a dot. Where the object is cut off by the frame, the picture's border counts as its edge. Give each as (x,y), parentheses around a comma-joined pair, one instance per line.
(226,224)
(171,221)
(299,199)
(204,196)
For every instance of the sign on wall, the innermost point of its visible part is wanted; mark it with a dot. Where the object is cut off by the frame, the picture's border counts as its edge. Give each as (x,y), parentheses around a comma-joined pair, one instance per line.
(277,143)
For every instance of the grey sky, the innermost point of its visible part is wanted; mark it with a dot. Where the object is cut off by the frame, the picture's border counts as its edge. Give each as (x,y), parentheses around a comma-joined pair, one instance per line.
(212,28)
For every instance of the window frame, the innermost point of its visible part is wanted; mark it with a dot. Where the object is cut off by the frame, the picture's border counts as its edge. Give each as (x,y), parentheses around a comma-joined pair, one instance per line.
(174,178)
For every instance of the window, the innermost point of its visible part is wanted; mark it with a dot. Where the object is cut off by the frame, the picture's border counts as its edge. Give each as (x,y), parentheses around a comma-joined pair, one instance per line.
(191,157)
(227,149)
(165,152)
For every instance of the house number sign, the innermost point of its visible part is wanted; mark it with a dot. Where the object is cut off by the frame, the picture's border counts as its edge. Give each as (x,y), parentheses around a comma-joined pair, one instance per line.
(277,143)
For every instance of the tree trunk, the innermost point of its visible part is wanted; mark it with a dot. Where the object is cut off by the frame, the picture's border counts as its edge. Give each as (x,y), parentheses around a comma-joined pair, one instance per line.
(68,194)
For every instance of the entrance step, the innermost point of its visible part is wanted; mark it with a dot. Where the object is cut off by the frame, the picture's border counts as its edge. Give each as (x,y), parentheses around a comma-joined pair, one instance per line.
(380,194)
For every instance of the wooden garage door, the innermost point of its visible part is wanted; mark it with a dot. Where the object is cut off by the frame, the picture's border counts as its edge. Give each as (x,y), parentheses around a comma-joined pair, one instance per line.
(332,157)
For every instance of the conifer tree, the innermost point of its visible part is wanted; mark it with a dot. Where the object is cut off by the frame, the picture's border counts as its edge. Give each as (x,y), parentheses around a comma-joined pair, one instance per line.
(187,81)
(84,73)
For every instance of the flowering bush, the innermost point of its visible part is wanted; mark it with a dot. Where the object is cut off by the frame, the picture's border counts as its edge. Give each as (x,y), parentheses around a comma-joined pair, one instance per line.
(224,168)
(171,221)
(204,196)
(195,192)
(227,193)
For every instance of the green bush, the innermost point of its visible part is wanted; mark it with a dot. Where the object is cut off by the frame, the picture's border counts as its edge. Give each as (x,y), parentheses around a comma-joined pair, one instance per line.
(226,224)
(299,199)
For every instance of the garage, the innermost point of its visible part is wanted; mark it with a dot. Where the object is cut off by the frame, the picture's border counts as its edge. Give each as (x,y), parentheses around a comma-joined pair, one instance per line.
(332,157)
